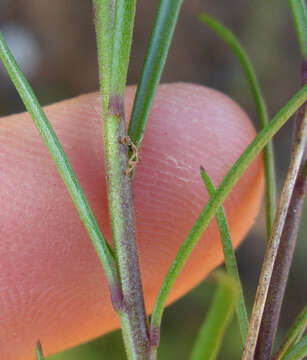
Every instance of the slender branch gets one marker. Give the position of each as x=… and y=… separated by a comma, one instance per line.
x=113, y=55
x=216, y=201
x=272, y=248
x=261, y=108
x=294, y=334
x=287, y=244
x=230, y=258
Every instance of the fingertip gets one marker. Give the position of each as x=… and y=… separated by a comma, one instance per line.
x=54, y=286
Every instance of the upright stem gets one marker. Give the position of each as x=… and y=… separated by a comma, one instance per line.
x=286, y=248
x=114, y=26
x=273, y=245
x=132, y=309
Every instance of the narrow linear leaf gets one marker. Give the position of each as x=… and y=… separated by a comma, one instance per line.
x=218, y=198
x=62, y=163
x=39, y=351
x=210, y=336
x=294, y=334
x=161, y=36
x=299, y=13
x=261, y=109
x=298, y=351
x=230, y=258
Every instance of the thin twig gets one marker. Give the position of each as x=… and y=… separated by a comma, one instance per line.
x=272, y=248
x=286, y=248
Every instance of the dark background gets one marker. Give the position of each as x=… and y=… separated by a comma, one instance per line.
x=54, y=42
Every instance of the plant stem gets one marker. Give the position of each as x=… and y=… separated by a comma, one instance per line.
x=287, y=244
x=273, y=245
x=132, y=311
x=113, y=55
x=294, y=334
x=216, y=201
x=104, y=21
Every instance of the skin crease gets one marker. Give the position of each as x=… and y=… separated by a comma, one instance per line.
x=52, y=286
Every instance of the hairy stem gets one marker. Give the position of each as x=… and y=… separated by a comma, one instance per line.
x=132, y=311
x=114, y=27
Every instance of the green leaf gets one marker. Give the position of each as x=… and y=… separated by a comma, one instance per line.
x=299, y=13
x=39, y=352
x=218, y=198
x=230, y=258
x=60, y=159
x=298, y=351
x=261, y=109
x=161, y=36
x=210, y=336
x=294, y=334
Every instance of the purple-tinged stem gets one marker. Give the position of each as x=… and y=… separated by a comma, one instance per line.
x=114, y=28
x=129, y=302
x=286, y=248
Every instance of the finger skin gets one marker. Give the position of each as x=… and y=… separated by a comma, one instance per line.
x=52, y=286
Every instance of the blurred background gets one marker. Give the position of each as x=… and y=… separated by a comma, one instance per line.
x=54, y=43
